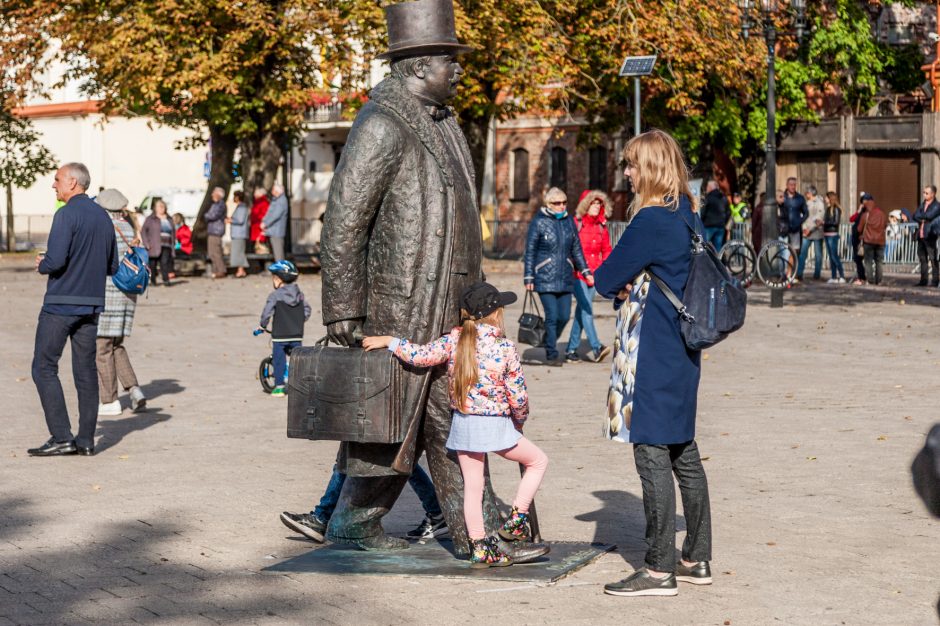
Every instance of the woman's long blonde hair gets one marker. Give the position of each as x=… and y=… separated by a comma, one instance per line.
x=466, y=369
x=661, y=176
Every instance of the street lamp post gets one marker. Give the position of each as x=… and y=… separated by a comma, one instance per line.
x=768, y=11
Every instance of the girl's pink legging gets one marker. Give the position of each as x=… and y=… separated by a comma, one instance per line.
x=471, y=466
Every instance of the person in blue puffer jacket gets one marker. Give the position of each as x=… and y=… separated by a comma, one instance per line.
x=552, y=250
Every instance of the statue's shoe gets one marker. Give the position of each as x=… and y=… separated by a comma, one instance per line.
x=378, y=543
x=523, y=551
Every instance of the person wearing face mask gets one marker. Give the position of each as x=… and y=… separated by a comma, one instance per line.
x=552, y=251
x=591, y=219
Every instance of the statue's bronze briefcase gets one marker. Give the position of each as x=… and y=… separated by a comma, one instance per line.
x=344, y=394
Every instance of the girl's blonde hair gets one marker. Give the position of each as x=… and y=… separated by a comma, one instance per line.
x=466, y=372
x=661, y=176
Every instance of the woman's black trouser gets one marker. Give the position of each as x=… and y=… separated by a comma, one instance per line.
x=656, y=465
x=165, y=261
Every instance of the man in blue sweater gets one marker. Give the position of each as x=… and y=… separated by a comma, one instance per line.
x=80, y=256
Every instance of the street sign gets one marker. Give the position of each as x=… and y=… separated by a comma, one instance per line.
x=638, y=66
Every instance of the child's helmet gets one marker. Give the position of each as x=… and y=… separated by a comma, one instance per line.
x=285, y=270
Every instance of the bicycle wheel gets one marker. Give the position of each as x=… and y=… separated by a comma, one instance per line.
x=266, y=374
x=776, y=265
x=739, y=257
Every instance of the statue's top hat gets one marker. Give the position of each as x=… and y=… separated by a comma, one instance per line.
x=421, y=27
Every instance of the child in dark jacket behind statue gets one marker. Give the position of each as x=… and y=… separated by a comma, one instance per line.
x=289, y=310
x=489, y=403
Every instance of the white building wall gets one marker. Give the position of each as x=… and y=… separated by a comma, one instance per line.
x=124, y=153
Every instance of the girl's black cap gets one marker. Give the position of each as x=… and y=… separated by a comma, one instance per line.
x=481, y=299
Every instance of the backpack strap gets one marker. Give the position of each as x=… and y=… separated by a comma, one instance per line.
x=118, y=230
x=673, y=299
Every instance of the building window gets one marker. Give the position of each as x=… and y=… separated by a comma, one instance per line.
x=519, y=170
x=597, y=168
x=558, y=172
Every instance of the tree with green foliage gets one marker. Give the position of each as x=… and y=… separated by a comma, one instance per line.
x=243, y=71
x=22, y=160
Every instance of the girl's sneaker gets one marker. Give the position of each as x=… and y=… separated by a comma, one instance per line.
x=278, y=392
x=486, y=553
x=516, y=527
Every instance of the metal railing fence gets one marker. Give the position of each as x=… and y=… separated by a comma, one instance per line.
x=507, y=240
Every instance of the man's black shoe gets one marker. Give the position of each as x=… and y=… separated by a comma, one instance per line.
x=51, y=448
x=556, y=362
x=85, y=451
x=922, y=283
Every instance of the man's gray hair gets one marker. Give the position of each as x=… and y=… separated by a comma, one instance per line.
x=79, y=172
x=221, y=190
x=811, y=189
x=403, y=68
x=277, y=188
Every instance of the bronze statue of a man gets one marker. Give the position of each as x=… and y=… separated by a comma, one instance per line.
x=401, y=240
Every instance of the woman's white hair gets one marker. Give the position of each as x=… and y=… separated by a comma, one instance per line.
x=555, y=195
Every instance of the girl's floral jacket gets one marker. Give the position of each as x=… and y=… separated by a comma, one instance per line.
x=500, y=388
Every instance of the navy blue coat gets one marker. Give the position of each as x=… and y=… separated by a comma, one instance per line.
x=552, y=251
x=667, y=374
x=80, y=255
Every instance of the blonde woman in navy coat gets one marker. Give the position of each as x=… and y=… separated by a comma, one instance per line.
x=654, y=384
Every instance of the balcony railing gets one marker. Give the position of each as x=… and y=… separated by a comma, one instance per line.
x=325, y=113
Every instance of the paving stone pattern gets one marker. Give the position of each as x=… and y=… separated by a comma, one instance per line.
x=808, y=421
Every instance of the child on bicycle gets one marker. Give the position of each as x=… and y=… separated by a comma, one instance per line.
x=287, y=305
x=489, y=403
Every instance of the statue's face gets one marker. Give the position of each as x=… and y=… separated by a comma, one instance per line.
x=441, y=77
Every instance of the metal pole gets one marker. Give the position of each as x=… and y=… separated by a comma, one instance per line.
x=636, y=106
x=770, y=205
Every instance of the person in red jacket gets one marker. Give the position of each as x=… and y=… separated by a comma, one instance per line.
x=258, y=210
x=184, y=236
x=594, y=208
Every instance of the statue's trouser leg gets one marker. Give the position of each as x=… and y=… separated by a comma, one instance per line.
x=364, y=501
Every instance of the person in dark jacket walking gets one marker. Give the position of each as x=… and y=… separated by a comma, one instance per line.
x=856, y=238
x=215, y=229
x=928, y=211
x=797, y=211
x=716, y=215
x=81, y=255
x=552, y=250
x=654, y=385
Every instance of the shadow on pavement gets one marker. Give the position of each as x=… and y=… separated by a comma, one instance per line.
x=621, y=521
x=141, y=570
x=112, y=432
x=162, y=387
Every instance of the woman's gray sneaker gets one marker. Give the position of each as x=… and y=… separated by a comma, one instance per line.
x=698, y=574
x=138, y=401
x=305, y=524
x=640, y=583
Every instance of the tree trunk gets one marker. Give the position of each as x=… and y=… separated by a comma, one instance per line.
x=222, y=150
x=475, y=129
x=11, y=235
x=260, y=158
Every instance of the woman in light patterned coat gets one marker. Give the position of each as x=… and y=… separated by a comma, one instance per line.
x=654, y=384
x=115, y=322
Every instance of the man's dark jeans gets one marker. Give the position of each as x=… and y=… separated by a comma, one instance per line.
x=656, y=465
x=51, y=334
x=419, y=481
x=927, y=255
x=873, y=259
x=557, y=306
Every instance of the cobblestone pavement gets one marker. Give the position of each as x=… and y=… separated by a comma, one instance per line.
x=809, y=418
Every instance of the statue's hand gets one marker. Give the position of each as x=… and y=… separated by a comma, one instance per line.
x=345, y=332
